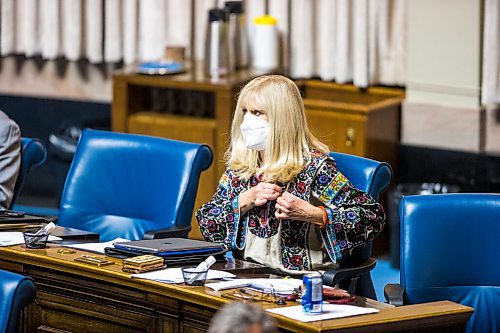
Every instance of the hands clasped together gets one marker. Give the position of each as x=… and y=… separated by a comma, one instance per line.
x=288, y=206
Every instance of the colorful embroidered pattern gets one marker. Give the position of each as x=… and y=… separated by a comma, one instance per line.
x=225, y=181
x=262, y=222
x=232, y=237
x=331, y=191
x=354, y=218
x=294, y=254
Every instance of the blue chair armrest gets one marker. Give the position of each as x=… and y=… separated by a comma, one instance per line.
x=16, y=292
x=394, y=294
x=172, y=232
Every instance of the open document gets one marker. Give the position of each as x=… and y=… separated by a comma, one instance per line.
x=278, y=286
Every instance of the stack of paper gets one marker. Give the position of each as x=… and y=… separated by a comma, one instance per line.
x=278, y=286
x=96, y=247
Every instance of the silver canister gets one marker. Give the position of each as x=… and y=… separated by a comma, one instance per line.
x=238, y=37
x=217, y=44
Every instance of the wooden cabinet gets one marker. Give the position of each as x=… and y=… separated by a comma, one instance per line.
x=354, y=121
x=188, y=107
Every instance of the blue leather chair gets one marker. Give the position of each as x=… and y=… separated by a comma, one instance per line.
x=33, y=152
x=132, y=186
x=372, y=177
x=16, y=292
x=450, y=251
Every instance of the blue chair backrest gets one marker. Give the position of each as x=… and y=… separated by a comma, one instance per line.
x=16, y=291
x=370, y=176
x=33, y=152
x=122, y=185
x=450, y=251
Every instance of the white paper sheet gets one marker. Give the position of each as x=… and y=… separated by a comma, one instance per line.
x=237, y=283
x=330, y=311
x=16, y=238
x=280, y=286
x=96, y=247
x=174, y=275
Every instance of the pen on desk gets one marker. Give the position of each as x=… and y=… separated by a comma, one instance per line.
x=243, y=291
x=92, y=258
x=238, y=295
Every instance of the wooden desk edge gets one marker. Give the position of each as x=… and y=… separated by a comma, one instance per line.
x=428, y=313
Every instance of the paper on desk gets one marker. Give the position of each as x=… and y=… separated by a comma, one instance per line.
x=236, y=283
x=16, y=238
x=174, y=275
x=96, y=247
x=279, y=286
x=330, y=311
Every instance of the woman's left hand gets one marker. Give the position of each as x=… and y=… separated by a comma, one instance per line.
x=290, y=207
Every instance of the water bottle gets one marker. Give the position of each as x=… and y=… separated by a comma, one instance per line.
x=238, y=39
x=265, y=44
x=217, y=44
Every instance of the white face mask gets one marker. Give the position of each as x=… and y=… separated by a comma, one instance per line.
x=255, y=131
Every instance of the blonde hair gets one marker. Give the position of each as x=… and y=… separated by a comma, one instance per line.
x=289, y=141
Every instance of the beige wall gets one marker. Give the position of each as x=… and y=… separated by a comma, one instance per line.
x=442, y=109
x=444, y=52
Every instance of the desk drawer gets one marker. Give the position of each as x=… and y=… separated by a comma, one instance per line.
x=11, y=266
x=66, y=303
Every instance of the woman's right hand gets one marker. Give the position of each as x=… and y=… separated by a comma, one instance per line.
x=258, y=195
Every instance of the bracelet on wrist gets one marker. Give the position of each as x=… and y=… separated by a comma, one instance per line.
x=325, y=217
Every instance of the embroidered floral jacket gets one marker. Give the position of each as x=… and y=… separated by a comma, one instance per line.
x=354, y=217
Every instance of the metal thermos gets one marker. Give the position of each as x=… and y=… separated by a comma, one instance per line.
x=217, y=44
x=238, y=38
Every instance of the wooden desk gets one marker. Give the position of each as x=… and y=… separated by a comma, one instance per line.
x=74, y=297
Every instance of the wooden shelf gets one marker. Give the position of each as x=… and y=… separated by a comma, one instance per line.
x=363, y=122
x=184, y=128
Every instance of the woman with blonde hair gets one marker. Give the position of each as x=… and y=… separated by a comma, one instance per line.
x=281, y=201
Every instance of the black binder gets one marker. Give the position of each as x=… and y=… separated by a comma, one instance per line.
x=170, y=260
x=171, y=247
x=15, y=217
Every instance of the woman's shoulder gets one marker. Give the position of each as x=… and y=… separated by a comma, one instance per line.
x=232, y=178
x=319, y=157
x=318, y=161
